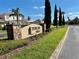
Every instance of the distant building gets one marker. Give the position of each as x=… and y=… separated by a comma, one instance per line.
x=5, y=17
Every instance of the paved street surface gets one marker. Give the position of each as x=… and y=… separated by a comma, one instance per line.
x=70, y=49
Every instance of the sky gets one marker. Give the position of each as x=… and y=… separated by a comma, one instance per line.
x=35, y=8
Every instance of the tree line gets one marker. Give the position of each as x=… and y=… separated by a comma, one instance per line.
x=59, y=20
x=74, y=21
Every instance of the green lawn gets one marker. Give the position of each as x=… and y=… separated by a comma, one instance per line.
x=9, y=45
x=4, y=33
x=43, y=48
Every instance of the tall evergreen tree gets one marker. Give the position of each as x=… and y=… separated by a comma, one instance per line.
x=63, y=22
x=55, y=16
x=47, y=19
x=60, y=17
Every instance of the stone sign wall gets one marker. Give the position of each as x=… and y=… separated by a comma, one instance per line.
x=15, y=32
x=31, y=30
x=10, y=31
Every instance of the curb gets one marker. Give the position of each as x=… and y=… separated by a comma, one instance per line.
x=57, y=51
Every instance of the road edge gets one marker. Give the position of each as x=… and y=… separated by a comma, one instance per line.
x=57, y=51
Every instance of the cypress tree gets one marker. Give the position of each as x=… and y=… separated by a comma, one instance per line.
x=63, y=22
x=47, y=19
x=55, y=16
x=60, y=17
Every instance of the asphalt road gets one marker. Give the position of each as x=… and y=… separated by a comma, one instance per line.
x=70, y=49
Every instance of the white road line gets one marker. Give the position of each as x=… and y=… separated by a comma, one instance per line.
x=57, y=51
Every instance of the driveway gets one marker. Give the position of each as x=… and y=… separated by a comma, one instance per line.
x=70, y=48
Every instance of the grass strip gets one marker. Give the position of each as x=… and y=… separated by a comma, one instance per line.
x=43, y=48
x=9, y=45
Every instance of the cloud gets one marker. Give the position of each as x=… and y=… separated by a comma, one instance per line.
x=73, y=13
x=73, y=16
x=36, y=7
x=70, y=13
x=39, y=15
x=42, y=7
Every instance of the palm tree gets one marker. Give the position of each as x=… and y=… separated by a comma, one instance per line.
x=17, y=14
